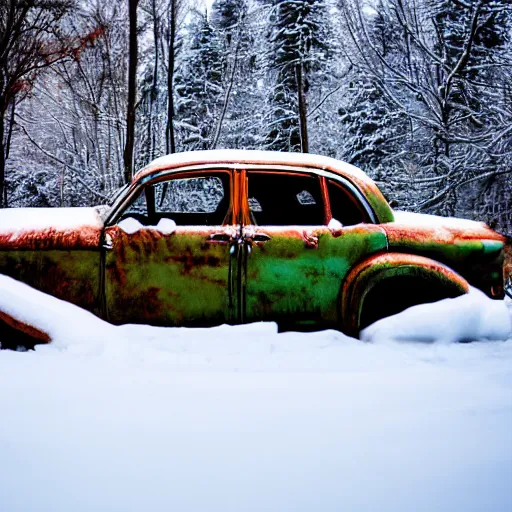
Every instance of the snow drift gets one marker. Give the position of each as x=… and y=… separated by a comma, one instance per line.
x=469, y=317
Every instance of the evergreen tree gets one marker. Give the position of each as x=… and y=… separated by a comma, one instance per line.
x=298, y=49
x=198, y=85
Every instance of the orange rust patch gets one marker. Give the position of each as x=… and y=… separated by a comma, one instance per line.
x=86, y=237
x=507, y=266
x=397, y=232
x=25, y=328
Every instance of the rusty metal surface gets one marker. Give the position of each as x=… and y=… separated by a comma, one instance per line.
x=476, y=253
x=51, y=239
x=176, y=279
x=36, y=334
x=71, y=275
x=288, y=279
x=364, y=276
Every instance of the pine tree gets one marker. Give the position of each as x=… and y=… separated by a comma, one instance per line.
x=198, y=85
x=240, y=112
x=298, y=48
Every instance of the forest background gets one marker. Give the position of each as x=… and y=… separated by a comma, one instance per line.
x=418, y=93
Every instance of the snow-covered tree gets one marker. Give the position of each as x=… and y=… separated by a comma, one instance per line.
x=198, y=85
x=298, y=47
x=439, y=77
x=30, y=40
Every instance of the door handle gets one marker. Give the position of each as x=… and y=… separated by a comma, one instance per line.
x=108, y=243
x=261, y=237
x=220, y=238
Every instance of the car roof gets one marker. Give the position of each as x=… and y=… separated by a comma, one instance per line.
x=233, y=158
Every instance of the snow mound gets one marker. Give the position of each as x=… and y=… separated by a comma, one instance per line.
x=415, y=219
x=469, y=317
x=131, y=226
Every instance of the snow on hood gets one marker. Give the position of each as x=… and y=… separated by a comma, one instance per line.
x=432, y=221
x=22, y=220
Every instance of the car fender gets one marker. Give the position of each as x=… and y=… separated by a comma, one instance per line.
x=364, y=276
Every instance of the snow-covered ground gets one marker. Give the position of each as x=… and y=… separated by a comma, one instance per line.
x=245, y=419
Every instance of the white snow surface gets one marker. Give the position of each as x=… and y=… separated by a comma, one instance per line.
x=248, y=156
x=131, y=225
x=19, y=220
x=242, y=418
x=470, y=317
x=430, y=221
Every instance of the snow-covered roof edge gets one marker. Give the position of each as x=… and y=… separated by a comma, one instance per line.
x=255, y=157
x=251, y=156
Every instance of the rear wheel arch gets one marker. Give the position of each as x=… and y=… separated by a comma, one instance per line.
x=388, y=283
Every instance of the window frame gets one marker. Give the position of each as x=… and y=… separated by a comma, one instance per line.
x=298, y=172
x=145, y=186
x=323, y=177
x=239, y=211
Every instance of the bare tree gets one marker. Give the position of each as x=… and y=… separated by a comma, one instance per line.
x=439, y=70
x=132, y=92
x=29, y=42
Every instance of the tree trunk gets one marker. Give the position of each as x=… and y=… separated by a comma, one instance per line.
x=304, y=145
x=169, y=132
x=3, y=189
x=132, y=76
x=154, y=84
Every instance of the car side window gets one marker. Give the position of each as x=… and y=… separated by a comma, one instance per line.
x=279, y=199
x=345, y=207
x=188, y=201
x=193, y=201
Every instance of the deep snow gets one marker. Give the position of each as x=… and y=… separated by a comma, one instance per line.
x=243, y=418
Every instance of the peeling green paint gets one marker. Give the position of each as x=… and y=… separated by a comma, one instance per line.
x=69, y=275
x=176, y=279
x=287, y=282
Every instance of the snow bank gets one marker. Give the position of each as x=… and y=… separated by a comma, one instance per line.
x=469, y=317
x=242, y=418
x=62, y=321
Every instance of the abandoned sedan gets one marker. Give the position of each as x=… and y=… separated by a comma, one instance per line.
x=212, y=237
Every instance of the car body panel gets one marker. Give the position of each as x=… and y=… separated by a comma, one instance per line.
x=471, y=248
x=295, y=276
x=71, y=275
x=290, y=274
x=181, y=278
x=364, y=276
x=54, y=250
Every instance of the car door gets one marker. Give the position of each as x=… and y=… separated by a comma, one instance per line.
x=297, y=252
x=167, y=254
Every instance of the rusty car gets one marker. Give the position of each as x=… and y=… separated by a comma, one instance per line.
x=232, y=236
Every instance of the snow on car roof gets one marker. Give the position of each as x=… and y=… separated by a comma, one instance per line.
x=241, y=157
x=246, y=156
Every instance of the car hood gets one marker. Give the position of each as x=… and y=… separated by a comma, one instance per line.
x=431, y=229
x=433, y=221
x=50, y=228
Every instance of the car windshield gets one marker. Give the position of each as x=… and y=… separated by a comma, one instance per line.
x=116, y=194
